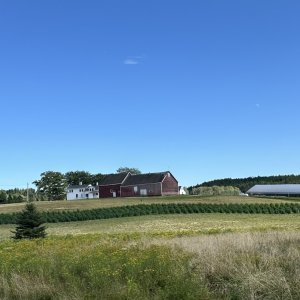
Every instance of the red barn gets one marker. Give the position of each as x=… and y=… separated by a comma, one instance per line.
x=151, y=184
x=110, y=185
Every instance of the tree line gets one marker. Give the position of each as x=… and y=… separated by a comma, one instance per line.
x=17, y=195
x=244, y=184
x=52, y=185
x=215, y=191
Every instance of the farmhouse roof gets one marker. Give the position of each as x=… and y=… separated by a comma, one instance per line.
x=79, y=186
x=145, y=178
x=113, y=179
x=275, y=189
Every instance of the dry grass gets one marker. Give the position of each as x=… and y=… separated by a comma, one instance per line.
x=113, y=202
x=246, y=265
x=26, y=287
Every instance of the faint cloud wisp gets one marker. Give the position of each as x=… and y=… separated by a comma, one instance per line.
x=132, y=60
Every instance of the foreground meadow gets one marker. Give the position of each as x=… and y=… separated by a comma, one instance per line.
x=174, y=256
x=222, y=266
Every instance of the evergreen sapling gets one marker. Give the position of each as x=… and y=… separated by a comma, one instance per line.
x=29, y=224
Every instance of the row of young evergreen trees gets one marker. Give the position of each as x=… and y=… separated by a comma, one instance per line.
x=30, y=222
x=156, y=209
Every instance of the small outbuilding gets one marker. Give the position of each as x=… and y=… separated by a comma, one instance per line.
x=275, y=190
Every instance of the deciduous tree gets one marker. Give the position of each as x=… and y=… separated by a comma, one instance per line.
x=52, y=185
x=77, y=177
x=3, y=197
x=131, y=170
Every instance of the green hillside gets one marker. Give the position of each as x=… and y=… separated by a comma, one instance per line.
x=244, y=184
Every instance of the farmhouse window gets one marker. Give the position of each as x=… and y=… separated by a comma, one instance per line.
x=135, y=189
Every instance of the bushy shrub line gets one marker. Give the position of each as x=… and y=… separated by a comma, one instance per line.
x=158, y=209
x=215, y=191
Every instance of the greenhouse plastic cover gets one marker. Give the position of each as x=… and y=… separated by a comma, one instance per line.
x=275, y=189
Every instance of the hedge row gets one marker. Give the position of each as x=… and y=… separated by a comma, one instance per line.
x=157, y=209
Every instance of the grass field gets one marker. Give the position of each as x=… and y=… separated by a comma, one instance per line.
x=111, y=202
x=186, y=256
x=262, y=265
x=173, y=225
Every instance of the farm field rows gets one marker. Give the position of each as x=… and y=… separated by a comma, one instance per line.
x=173, y=225
x=111, y=202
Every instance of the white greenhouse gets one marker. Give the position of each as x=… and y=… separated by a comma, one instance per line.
x=275, y=189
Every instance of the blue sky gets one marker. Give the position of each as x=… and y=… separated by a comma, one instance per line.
x=206, y=89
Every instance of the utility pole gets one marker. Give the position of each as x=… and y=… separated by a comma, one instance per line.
x=27, y=196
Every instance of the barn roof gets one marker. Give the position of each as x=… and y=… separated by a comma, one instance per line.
x=144, y=178
x=283, y=189
x=113, y=179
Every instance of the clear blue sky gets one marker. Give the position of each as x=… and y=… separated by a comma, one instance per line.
x=206, y=89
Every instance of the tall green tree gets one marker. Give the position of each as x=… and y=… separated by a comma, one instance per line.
x=75, y=177
x=3, y=196
x=52, y=185
x=131, y=170
x=30, y=224
x=96, y=178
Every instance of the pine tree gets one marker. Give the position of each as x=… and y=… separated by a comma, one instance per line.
x=30, y=224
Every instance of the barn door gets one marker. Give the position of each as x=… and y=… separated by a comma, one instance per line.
x=143, y=192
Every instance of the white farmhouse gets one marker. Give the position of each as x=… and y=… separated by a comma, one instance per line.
x=82, y=191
